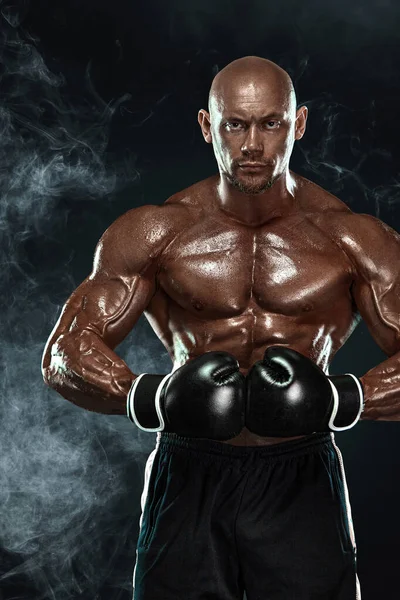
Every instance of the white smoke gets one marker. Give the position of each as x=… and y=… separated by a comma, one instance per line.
x=70, y=480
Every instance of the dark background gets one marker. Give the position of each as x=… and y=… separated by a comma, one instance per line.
x=98, y=109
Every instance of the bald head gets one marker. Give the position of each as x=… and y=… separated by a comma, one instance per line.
x=252, y=76
x=252, y=123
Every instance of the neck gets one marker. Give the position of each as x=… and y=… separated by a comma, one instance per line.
x=256, y=209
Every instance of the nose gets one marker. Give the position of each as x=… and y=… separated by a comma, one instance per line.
x=253, y=143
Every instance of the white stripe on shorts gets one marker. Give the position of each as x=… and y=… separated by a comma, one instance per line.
x=348, y=509
x=147, y=474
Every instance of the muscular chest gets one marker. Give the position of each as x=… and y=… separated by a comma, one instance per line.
x=218, y=271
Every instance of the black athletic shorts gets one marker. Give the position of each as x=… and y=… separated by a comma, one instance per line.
x=220, y=520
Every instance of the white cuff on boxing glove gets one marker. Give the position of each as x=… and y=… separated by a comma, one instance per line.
x=348, y=401
x=143, y=404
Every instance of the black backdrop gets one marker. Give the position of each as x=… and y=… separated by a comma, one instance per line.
x=98, y=108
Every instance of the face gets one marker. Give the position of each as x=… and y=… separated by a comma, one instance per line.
x=253, y=129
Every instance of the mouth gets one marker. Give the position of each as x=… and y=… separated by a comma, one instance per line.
x=252, y=166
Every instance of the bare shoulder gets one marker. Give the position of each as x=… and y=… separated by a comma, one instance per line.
x=132, y=243
x=136, y=238
x=359, y=234
x=366, y=240
x=158, y=223
x=333, y=215
x=151, y=223
x=372, y=245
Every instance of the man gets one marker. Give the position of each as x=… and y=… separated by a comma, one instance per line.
x=253, y=279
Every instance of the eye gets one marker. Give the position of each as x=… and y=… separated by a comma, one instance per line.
x=271, y=124
x=233, y=125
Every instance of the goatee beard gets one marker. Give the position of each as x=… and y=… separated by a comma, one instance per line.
x=258, y=188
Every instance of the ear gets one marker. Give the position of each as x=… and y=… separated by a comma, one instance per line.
x=205, y=124
x=301, y=120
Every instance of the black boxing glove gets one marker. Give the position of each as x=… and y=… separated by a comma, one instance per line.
x=289, y=395
x=203, y=398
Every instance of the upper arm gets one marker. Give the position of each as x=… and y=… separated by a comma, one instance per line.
x=374, y=249
x=122, y=282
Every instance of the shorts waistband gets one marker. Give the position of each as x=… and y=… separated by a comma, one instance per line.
x=171, y=441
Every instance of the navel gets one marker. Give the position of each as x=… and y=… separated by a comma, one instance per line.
x=198, y=305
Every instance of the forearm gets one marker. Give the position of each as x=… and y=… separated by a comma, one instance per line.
x=381, y=387
x=85, y=371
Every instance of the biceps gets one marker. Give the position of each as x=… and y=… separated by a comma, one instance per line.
x=379, y=306
x=108, y=307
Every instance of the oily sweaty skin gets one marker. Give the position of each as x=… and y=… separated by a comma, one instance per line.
x=253, y=257
x=206, y=281
x=225, y=286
